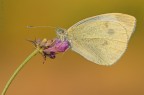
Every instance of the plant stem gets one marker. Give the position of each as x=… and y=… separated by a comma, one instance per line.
x=18, y=69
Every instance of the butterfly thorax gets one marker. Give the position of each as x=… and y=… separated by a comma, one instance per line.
x=61, y=34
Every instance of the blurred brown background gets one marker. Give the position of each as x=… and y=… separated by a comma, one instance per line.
x=69, y=73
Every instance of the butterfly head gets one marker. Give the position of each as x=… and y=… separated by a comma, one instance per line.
x=61, y=34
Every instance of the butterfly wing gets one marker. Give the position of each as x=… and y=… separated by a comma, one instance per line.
x=102, y=39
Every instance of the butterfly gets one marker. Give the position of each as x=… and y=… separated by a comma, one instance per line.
x=101, y=39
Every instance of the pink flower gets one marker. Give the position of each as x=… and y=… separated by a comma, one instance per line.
x=56, y=47
x=51, y=47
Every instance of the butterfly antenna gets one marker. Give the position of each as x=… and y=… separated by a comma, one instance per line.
x=29, y=26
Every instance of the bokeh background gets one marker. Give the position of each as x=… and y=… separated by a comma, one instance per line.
x=69, y=73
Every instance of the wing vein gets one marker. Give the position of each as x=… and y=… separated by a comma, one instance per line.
x=105, y=38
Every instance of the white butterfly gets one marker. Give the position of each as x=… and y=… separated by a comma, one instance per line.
x=101, y=39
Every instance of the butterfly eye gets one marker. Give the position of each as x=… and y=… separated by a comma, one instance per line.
x=60, y=31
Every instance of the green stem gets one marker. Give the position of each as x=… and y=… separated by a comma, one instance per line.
x=18, y=69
